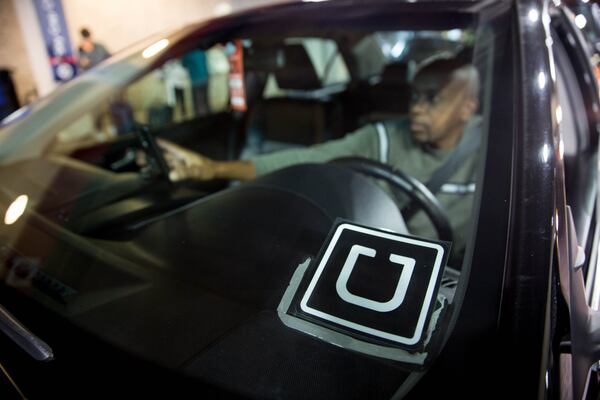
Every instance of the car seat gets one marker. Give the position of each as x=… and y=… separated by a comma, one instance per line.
x=295, y=117
x=390, y=96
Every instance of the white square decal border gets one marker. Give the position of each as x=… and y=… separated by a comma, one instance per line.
x=418, y=331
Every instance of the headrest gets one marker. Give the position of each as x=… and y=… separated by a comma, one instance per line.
x=297, y=72
x=395, y=74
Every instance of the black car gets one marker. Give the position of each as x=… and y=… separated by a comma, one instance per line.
x=118, y=281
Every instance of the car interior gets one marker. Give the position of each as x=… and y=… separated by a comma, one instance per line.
x=299, y=91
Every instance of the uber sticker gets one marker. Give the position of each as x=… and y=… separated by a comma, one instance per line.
x=378, y=285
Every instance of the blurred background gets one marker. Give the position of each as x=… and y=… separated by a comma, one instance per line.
x=40, y=39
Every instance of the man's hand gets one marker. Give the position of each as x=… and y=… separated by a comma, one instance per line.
x=84, y=62
x=186, y=164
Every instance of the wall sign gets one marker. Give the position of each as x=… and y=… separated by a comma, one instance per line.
x=56, y=38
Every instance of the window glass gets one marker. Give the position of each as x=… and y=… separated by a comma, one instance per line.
x=183, y=89
x=325, y=60
x=376, y=51
x=580, y=156
x=189, y=216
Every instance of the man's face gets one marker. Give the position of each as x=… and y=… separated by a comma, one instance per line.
x=87, y=45
x=440, y=107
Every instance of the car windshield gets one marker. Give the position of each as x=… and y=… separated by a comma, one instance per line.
x=364, y=136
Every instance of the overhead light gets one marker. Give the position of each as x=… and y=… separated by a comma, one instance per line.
x=155, y=48
x=223, y=9
x=16, y=209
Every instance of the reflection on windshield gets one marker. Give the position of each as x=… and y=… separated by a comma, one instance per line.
x=15, y=116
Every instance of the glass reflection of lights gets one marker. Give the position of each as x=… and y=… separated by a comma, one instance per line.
x=545, y=153
x=15, y=116
x=398, y=49
x=561, y=148
x=155, y=48
x=16, y=209
x=595, y=301
x=454, y=34
x=580, y=21
x=546, y=18
x=386, y=49
x=542, y=80
x=559, y=114
x=534, y=15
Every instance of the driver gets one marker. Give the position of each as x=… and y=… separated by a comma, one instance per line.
x=442, y=115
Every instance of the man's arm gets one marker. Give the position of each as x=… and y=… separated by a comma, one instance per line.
x=242, y=170
x=186, y=164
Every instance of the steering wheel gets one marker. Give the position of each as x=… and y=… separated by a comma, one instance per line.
x=418, y=193
x=157, y=165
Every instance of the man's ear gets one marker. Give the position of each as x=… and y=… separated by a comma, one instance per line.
x=469, y=107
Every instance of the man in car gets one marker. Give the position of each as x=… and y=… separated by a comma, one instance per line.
x=441, y=120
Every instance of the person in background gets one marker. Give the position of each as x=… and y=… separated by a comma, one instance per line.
x=195, y=63
x=91, y=53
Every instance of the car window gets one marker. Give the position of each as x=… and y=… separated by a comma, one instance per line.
x=374, y=52
x=185, y=88
x=325, y=59
x=577, y=145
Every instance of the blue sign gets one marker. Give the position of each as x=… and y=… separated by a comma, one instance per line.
x=56, y=36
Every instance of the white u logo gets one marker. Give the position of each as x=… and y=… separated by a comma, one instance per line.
x=408, y=265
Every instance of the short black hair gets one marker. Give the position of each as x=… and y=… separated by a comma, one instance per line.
x=85, y=33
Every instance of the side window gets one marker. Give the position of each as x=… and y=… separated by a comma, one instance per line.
x=580, y=160
x=194, y=85
x=580, y=157
x=316, y=63
x=327, y=60
x=189, y=87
